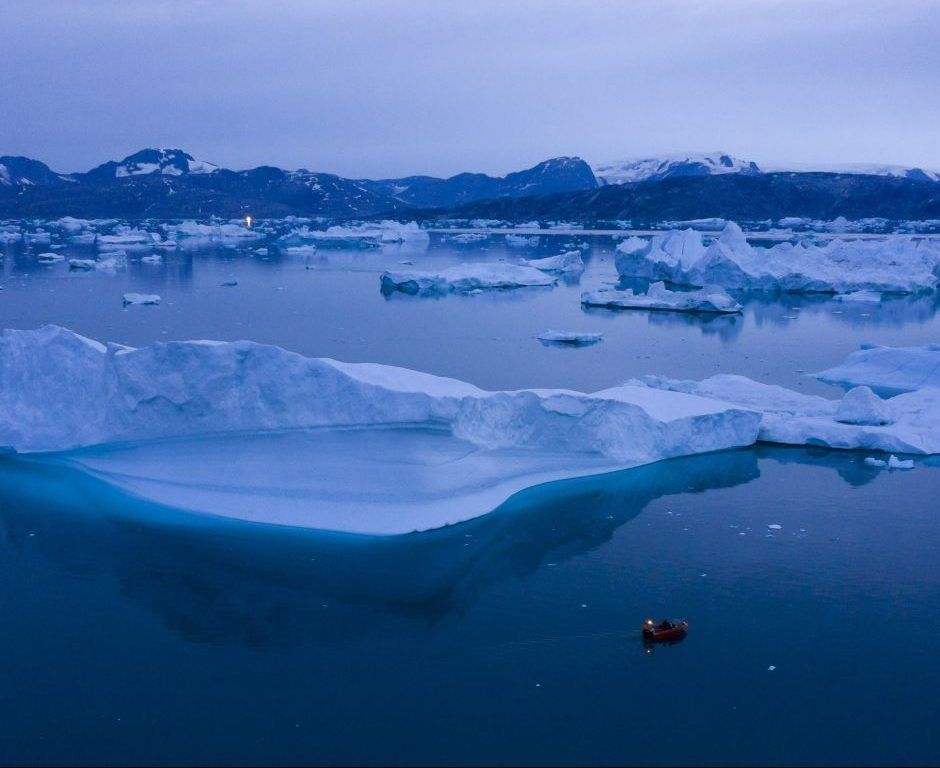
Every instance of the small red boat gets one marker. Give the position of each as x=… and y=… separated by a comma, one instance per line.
x=664, y=630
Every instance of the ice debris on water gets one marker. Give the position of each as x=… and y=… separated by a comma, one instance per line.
x=141, y=298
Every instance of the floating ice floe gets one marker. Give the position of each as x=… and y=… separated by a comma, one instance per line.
x=105, y=265
x=368, y=235
x=231, y=232
x=570, y=338
x=888, y=370
x=49, y=258
x=141, y=298
x=465, y=278
x=908, y=423
x=897, y=264
x=126, y=237
x=863, y=297
x=893, y=462
x=467, y=449
x=155, y=258
x=568, y=262
x=521, y=241
x=464, y=238
x=710, y=299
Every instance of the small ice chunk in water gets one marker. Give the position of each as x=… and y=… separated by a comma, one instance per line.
x=155, y=258
x=570, y=338
x=771, y=668
x=895, y=463
x=141, y=298
x=774, y=527
x=49, y=258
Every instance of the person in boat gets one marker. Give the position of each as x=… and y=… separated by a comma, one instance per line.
x=664, y=624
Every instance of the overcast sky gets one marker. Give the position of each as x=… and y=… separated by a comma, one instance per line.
x=430, y=86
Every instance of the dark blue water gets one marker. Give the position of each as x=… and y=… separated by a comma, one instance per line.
x=133, y=633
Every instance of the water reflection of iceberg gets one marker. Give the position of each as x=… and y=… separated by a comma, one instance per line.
x=222, y=581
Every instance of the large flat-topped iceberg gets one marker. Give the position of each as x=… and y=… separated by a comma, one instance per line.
x=710, y=300
x=465, y=278
x=60, y=392
x=888, y=370
x=890, y=265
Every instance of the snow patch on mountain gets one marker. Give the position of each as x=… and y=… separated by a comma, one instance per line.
x=672, y=165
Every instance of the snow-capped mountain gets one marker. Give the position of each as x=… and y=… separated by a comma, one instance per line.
x=670, y=166
x=24, y=172
x=866, y=169
x=166, y=162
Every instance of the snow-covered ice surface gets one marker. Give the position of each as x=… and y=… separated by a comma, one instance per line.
x=888, y=370
x=908, y=423
x=61, y=391
x=897, y=264
x=710, y=299
x=465, y=278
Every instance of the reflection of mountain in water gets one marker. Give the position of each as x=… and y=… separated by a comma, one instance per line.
x=222, y=581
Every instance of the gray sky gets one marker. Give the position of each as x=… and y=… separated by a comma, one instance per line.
x=394, y=88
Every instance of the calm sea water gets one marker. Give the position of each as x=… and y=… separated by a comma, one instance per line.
x=137, y=633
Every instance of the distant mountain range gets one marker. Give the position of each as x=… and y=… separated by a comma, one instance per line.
x=738, y=196
x=171, y=183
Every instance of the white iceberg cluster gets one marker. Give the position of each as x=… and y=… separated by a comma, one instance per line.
x=465, y=278
x=890, y=265
x=711, y=299
x=368, y=235
x=908, y=423
x=192, y=232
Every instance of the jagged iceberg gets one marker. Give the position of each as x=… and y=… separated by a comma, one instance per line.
x=563, y=263
x=897, y=264
x=465, y=278
x=710, y=299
